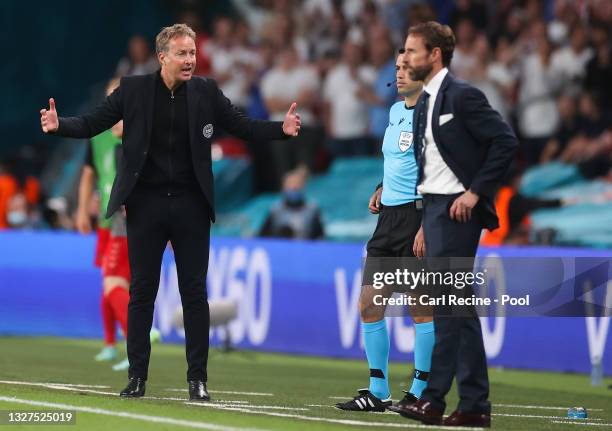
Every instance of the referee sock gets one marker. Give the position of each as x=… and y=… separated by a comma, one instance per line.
x=423, y=348
x=376, y=341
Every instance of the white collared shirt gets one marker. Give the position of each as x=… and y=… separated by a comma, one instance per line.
x=437, y=176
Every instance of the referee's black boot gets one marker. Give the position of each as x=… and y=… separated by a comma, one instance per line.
x=198, y=391
x=134, y=389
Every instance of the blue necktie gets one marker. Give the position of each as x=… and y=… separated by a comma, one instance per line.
x=422, y=124
x=422, y=121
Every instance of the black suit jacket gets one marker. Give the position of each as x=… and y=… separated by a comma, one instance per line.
x=133, y=102
x=476, y=144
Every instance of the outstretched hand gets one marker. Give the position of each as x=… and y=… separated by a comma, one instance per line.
x=48, y=118
x=292, y=123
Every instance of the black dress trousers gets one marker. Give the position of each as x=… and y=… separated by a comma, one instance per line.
x=154, y=217
x=459, y=349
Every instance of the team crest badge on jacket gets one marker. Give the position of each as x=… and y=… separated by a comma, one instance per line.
x=207, y=131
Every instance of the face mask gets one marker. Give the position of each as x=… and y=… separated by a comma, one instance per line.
x=16, y=218
x=294, y=197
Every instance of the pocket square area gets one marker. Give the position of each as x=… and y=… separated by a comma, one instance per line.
x=445, y=118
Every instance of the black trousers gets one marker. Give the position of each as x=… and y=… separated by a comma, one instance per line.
x=154, y=217
x=459, y=349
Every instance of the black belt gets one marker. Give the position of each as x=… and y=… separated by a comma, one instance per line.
x=416, y=204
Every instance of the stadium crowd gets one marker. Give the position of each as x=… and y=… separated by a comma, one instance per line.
x=545, y=65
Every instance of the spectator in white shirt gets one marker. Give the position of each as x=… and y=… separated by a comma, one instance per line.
x=464, y=57
x=538, y=117
x=502, y=70
x=346, y=114
x=231, y=62
x=288, y=81
x=569, y=63
x=481, y=79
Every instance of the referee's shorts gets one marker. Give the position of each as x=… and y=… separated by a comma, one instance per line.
x=393, y=237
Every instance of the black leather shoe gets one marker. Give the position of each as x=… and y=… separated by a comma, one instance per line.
x=423, y=411
x=198, y=391
x=467, y=419
x=408, y=400
x=134, y=389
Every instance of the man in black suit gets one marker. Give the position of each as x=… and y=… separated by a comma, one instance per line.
x=165, y=180
x=463, y=148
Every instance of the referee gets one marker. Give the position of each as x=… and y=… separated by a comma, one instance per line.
x=398, y=234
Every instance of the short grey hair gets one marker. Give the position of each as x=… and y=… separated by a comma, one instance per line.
x=168, y=33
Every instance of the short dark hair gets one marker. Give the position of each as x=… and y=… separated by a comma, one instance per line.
x=436, y=35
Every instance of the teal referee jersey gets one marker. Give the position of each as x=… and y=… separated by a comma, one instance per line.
x=400, y=167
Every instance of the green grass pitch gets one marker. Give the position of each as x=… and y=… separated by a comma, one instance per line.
x=259, y=391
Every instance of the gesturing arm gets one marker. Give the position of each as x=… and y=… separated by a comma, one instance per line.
x=103, y=117
x=235, y=122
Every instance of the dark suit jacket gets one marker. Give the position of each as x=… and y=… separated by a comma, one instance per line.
x=476, y=144
x=133, y=102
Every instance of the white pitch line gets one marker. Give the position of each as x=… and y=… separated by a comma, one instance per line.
x=514, y=406
x=257, y=394
x=534, y=416
x=518, y=406
x=249, y=406
x=581, y=423
x=493, y=414
x=81, y=386
x=245, y=407
x=42, y=384
x=58, y=386
x=63, y=387
x=145, y=418
x=347, y=421
x=320, y=405
x=46, y=384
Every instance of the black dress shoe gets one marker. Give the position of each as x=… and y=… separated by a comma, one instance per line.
x=467, y=419
x=423, y=411
x=134, y=389
x=198, y=391
x=402, y=404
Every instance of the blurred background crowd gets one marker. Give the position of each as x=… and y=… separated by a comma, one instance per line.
x=545, y=65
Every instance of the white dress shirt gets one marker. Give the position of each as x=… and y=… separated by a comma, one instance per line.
x=437, y=176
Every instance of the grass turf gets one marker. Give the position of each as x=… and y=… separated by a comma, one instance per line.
x=301, y=388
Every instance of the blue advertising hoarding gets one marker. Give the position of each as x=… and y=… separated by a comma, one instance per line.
x=293, y=297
